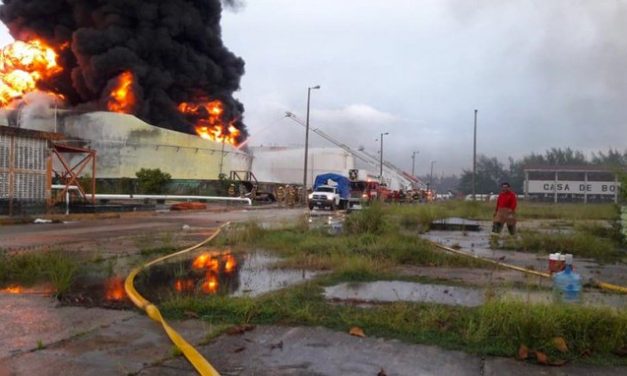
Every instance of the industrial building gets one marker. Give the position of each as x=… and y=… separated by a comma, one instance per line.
x=285, y=164
x=125, y=144
x=25, y=170
x=572, y=183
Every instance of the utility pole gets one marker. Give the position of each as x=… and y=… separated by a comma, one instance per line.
x=474, y=160
x=307, y=143
x=221, y=159
x=413, y=163
x=381, y=158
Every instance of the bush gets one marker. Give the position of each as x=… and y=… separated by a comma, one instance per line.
x=152, y=181
x=367, y=221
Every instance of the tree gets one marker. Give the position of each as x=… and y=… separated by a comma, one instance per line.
x=490, y=173
x=613, y=158
x=152, y=181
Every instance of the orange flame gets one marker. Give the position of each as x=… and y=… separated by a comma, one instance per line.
x=210, y=284
x=206, y=261
x=229, y=263
x=114, y=289
x=184, y=285
x=211, y=126
x=22, y=66
x=211, y=262
x=122, y=98
x=14, y=289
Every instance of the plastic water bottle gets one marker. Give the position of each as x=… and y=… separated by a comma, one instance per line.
x=567, y=284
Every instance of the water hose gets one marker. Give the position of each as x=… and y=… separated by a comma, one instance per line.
x=599, y=284
x=201, y=364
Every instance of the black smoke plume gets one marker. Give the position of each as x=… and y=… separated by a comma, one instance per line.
x=173, y=48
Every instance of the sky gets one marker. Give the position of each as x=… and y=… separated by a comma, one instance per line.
x=541, y=74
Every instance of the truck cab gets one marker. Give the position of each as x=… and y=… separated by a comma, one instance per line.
x=324, y=196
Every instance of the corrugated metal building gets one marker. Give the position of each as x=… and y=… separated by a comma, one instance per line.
x=25, y=170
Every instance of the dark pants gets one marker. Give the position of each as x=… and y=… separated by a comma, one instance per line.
x=497, y=227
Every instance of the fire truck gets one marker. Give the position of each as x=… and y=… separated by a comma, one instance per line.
x=366, y=188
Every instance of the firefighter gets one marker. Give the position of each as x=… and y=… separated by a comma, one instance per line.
x=291, y=196
x=231, y=190
x=280, y=195
x=505, y=211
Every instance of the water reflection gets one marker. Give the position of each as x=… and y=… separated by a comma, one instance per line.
x=209, y=273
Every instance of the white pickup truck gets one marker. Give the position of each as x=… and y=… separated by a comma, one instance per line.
x=325, y=196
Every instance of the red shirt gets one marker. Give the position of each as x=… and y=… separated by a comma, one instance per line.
x=506, y=200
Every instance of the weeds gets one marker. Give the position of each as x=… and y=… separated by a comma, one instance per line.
x=55, y=267
x=367, y=221
x=582, y=242
x=411, y=215
x=497, y=328
x=502, y=327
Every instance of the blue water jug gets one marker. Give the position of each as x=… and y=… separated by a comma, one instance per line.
x=567, y=284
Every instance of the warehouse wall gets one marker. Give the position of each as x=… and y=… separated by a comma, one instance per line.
x=24, y=172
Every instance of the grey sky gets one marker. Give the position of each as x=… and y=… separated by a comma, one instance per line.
x=543, y=73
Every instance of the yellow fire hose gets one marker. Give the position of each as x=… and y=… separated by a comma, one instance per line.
x=599, y=284
x=195, y=358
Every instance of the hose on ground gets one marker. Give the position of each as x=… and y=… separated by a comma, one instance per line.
x=201, y=364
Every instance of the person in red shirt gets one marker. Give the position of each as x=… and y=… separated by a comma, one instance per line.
x=505, y=211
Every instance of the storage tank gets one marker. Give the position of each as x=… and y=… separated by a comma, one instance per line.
x=285, y=164
x=125, y=144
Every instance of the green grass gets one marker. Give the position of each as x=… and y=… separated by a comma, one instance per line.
x=423, y=214
x=374, y=244
x=534, y=210
x=497, y=328
x=583, y=242
x=56, y=267
x=371, y=251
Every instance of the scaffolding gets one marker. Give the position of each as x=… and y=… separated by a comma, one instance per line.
x=67, y=173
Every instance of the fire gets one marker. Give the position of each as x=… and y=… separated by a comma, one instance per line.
x=211, y=262
x=22, y=66
x=229, y=263
x=210, y=284
x=114, y=289
x=14, y=289
x=122, y=98
x=206, y=261
x=210, y=125
x=184, y=285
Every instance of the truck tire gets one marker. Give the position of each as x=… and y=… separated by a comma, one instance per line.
x=332, y=206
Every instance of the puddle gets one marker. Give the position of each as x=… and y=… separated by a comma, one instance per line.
x=455, y=224
x=394, y=291
x=332, y=222
x=209, y=272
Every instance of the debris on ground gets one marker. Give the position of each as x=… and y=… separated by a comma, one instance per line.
x=357, y=332
x=192, y=205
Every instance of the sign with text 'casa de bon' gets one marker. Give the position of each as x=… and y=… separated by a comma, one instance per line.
x=574, y=187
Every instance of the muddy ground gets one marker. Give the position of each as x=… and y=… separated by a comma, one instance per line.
x=40, y=336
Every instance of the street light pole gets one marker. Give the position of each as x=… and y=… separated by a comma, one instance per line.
x=474, y=160
x=431, y=175
x=309, y=89
x=413, y=163
x=381, y=157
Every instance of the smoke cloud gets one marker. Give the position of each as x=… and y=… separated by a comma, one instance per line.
x=173, y=48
